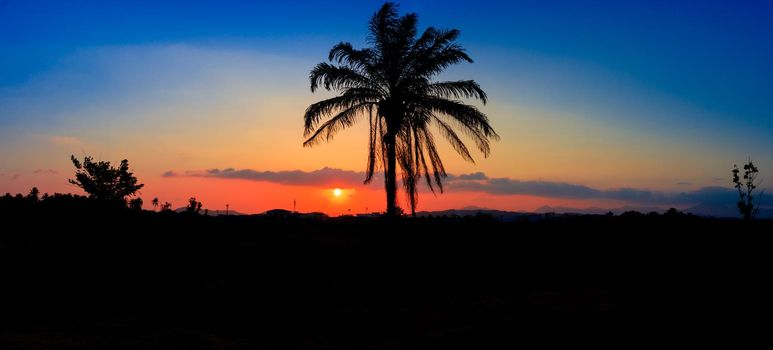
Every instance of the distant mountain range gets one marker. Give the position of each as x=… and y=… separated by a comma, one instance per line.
x=504, y=215
x=501, y=215
x=598, y=211
x=729, y=211
x=212, y=212
x=701, y=210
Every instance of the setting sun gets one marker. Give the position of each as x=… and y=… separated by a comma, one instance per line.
x=337, y=192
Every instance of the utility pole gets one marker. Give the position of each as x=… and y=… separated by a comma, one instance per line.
x=226, y=210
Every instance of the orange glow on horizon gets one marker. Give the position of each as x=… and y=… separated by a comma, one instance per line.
x=253, y=197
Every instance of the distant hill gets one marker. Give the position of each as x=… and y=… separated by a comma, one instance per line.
x=725, y=211
x=212, y=212
x=599, y=211
x=217, y=212
x=501, y=215
x=707, y=210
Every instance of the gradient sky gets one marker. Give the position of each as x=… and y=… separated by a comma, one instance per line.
x=598, y=103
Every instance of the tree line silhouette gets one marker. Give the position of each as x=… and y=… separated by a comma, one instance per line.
x=110, y=186
x=116, y=188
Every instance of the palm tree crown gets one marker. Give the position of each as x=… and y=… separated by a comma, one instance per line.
x=390, y=84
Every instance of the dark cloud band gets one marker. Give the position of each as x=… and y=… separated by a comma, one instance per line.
x=476, y=182
x=324, y=176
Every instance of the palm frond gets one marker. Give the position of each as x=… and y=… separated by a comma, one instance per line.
x=438, y=170
x=342, y=120
x=457, y=89
x=444, y=58
x=373, y=139
x=338, y=78
x=468, y=116
x=361, y=60
x=380, y=26
x=319, y=110
x=454, y=140
x=421, y=161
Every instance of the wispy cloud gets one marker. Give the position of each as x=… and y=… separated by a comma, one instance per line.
x=324, y=176
x=507, y=186
x=66, y=140
x=45, y=172
x=477, y=182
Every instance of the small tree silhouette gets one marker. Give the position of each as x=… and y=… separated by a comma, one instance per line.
x=155, y=203
x=746, y=187
x=166, y=206
x=34, y=194
x=194, y=206
x=135, y=204
x=104, y=182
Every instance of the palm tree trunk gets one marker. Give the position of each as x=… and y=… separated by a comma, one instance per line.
x=391, y=175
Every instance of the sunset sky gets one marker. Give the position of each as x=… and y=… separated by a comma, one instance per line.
x=598, y=103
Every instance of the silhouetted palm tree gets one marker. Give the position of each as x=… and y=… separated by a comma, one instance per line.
x=391, y=85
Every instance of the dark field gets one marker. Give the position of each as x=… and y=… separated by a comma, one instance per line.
x=99, y=279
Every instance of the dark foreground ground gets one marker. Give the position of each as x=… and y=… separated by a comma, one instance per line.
x=90, y=280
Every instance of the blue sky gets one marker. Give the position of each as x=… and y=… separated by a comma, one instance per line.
x=711, y=54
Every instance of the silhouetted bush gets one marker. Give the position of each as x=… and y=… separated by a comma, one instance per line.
x=104, y=182
x=135, y=204
x=194, y=206
x=632, y=214
x=746, y=205
x=34, y=194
